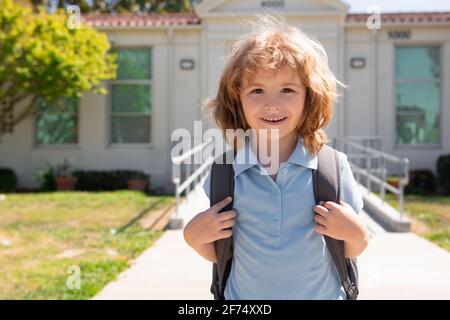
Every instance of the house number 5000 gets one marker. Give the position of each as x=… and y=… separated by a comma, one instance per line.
x=395, y=35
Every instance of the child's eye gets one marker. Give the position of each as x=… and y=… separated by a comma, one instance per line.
x=289, y=89
x=254, y=91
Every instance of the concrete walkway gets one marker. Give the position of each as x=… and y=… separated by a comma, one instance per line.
x=394, y=266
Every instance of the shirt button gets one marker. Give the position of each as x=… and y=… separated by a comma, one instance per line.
x=275, y=217
x=284, y=170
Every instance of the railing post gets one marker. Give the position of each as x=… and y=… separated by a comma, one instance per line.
x=383, y=176
x=176, y=222
x=188, y=174
x=401, y=198
x=403, y=183
x=177, y=201
x=367, y=173
x=369, y=182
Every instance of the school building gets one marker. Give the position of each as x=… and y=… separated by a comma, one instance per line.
x=397, y=76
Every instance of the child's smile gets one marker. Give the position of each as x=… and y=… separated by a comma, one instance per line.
x=274, y=120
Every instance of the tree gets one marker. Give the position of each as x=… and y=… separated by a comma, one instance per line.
x=40, y=56
x=120, y=6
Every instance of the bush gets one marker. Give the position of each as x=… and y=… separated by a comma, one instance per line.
x=443, y=170
x=93, y=180
x=421, y=181
x=46, y=177
x=8, y=180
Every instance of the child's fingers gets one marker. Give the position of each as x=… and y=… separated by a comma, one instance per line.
x=226, y=215
x=320, y=229
x=227, y=223
x=321, y=220
x=221, y=204
x=331, y=205
x=225, y=234
x=321, y=210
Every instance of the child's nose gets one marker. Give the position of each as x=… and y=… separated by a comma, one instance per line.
x=272, y=107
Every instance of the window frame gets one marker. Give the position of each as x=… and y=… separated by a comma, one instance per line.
x=71, y=145
x=110, y=112
x=439, y=46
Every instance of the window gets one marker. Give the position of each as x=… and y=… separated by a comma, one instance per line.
x=131, y=97
x=57, y=121
x=417, y=95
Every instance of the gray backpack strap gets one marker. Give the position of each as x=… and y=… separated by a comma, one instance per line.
x=221, y=186
x=326, y=186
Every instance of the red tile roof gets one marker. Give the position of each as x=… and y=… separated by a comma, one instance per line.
x=183, y=19
x=415, y=17
x=143, y=20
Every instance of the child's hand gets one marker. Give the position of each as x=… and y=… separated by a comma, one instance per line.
x=338, y=221
x=209, y=226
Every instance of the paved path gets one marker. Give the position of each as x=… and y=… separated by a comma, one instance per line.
x=394, y=266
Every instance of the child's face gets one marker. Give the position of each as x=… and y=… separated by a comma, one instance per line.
x=273, y=95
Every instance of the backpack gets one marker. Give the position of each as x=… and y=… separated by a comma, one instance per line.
x=326, y=186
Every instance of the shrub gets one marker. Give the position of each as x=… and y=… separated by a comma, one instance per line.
x=443, y=170
x=421, y=181
x=46, y=177
x=8, y=180
x=94, y=180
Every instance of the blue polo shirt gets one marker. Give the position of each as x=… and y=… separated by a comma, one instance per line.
x=277, y=253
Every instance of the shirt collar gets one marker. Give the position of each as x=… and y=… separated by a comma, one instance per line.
x=302, y=157
x=245, y=158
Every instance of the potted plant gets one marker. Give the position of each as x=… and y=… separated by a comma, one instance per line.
x=46, y=177
x=393, y=181
x=63, y=176
x=137, y=181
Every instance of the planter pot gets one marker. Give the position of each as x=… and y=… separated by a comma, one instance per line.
x=65, y=183
x=393, y=182
x=137, y=184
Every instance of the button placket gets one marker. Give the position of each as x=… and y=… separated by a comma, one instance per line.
x=276, y=216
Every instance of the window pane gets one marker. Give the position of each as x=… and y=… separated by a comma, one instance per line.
x=417, y=62
x=418, y=113
x=57, y=122
x=130, y=129
x=131, y=98
x=133, y=63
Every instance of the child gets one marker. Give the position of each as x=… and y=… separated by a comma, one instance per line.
x=278, y=78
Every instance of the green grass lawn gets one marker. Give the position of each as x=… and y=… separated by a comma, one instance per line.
x=430, y=216
x=42, y=235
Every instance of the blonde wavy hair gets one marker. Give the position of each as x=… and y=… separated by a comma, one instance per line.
x=273, y=43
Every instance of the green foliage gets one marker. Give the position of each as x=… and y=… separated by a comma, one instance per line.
x=46, y=178
x=63, y=169
x=92, y=180
x=421, y=181
x=40, y=56
x=8, y=180
x=135, y=6
x=443, y=169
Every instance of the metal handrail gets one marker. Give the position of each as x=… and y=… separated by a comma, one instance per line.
x=191, y=178
x=375, y=174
